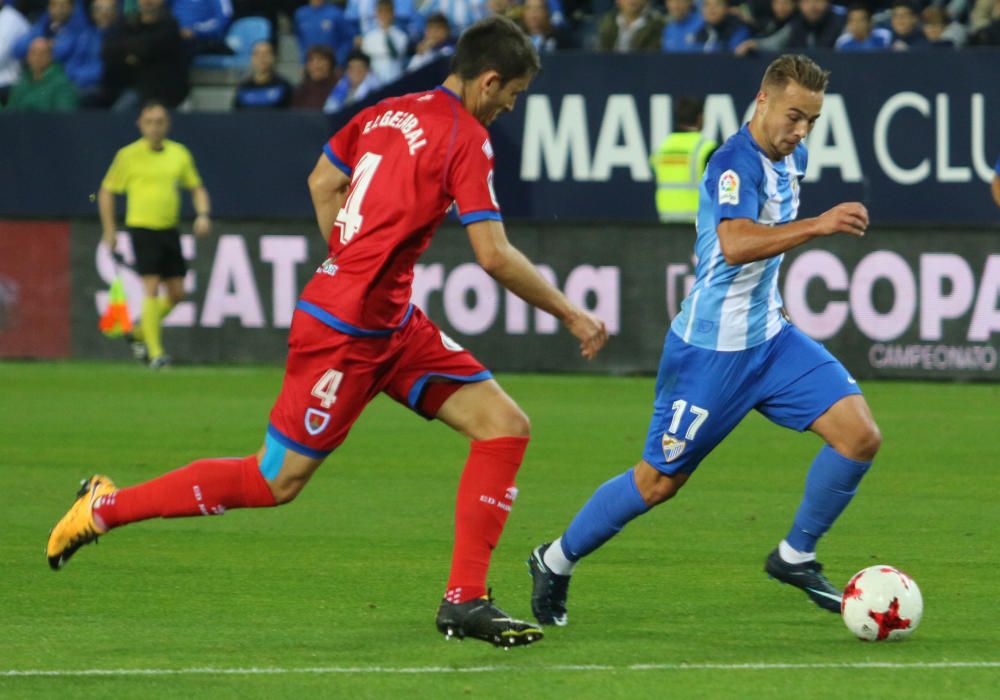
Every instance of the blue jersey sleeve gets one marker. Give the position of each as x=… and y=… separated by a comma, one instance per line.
x=733, y=179
x=997, y=168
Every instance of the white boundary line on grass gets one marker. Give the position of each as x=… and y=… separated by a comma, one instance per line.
x=355, y=670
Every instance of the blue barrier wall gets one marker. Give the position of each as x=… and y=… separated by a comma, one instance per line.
x=913, y=135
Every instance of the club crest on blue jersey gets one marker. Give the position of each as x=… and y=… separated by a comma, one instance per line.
x=672, y=447
x=316, y=421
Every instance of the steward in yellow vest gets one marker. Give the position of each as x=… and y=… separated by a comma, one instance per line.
x=680, y=163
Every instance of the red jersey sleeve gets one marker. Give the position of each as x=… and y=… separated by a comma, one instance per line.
x=470, y=180
x=341, y=147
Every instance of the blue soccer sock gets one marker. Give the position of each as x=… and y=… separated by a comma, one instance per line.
x=830, y=485
x=613, y=504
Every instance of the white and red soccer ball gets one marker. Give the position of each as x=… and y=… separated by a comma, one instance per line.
x=881, y=603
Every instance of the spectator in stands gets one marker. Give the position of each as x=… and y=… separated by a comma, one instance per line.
x=358, y=82
x=386, y=44
x=989, y=34
x=952, y=32
x=203, y=24
x=264, y=88
x=683, y=24
x=13, y=26
x=437, y=42
x=60, y=23
x=536, y=20
x=411, y=21
x=43, y=87
x=933, y=21
x=320, y=75
x=775, y=28
x=905, y=24
x=506, y=8
x=144, y=60
x=860, y=34
x=723, y=32
x=634, y=26
x=984, y=13
x=817, y=26
x=269, y=10
x=84, y=65
x=31, y=9
x=514, y=10
x=320, y=22
x=557, y=16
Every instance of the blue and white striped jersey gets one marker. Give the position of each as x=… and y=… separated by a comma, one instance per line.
x=735, y=307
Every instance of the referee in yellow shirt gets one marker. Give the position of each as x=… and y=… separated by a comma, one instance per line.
x=150, y=173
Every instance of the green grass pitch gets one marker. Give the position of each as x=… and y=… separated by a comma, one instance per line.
x=335, y=594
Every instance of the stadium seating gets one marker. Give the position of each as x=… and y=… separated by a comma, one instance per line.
x=242, y=35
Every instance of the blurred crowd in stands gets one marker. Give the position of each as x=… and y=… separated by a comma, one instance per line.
x=58, y=55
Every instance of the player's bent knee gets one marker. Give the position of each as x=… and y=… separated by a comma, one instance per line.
x=868, y=442
x=517, y=424
x=654, y=486
x=510, y=422
x=284, y=493
x=861, y=444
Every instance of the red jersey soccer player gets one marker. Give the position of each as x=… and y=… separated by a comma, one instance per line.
x=380, y=189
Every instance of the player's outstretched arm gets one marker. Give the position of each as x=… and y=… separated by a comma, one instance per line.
x=509, y=266
x=996, y=189
x=328, y=188
x=744, y=241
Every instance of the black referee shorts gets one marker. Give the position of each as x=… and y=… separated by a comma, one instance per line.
x=158, y=252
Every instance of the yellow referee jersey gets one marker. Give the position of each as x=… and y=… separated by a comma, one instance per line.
x=151, y=181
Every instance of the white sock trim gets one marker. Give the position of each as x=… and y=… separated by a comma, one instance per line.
x=556, y=561
x=792, y=555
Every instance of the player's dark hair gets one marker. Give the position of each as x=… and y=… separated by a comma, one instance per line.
x=495, y=43
x=359, y=55
x=152, y=104
x=859, y=6
x=688, y=111
x=439, y=19
x=323, y=51
x=795, y=68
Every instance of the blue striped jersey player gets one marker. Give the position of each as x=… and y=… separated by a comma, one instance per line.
x=731, y=350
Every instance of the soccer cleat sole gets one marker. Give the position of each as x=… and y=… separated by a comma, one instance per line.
x=504, y=640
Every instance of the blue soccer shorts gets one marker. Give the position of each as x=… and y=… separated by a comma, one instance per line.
x=701, y=394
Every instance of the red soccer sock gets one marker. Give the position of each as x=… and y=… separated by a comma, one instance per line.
x=205, y=487
x=486, y=493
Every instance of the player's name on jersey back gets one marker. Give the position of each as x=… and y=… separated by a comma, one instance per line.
x=406, y=122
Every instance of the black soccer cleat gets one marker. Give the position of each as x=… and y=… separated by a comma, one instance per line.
x=549, y=592
x=140, y=353
x=809, y=577
x=481, y=619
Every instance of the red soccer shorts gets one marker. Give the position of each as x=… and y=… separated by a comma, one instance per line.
x=331, y=376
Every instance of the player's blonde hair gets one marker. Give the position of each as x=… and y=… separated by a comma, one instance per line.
x=795, y=68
